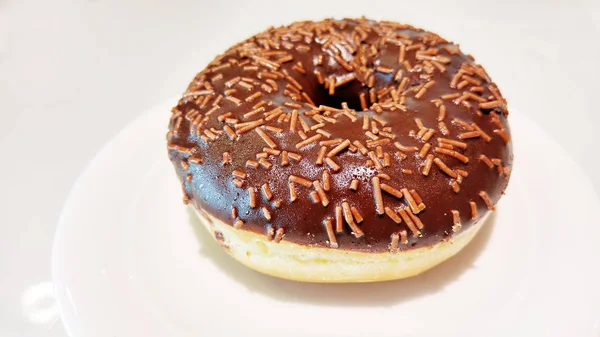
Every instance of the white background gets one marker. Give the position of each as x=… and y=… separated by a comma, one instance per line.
x=73, y=73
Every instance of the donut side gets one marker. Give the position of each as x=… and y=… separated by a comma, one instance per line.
x=303, y=263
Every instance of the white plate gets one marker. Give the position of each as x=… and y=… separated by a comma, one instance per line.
x=130, y=260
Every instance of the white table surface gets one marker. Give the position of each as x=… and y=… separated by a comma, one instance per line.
x=73, y=73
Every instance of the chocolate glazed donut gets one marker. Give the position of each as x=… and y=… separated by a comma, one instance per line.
x=344, y=134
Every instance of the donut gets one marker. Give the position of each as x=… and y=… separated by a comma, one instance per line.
x=345, y=150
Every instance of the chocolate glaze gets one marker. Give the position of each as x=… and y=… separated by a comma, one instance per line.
x=209, y=184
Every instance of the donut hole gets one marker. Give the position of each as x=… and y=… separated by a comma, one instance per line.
x=348, y=93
